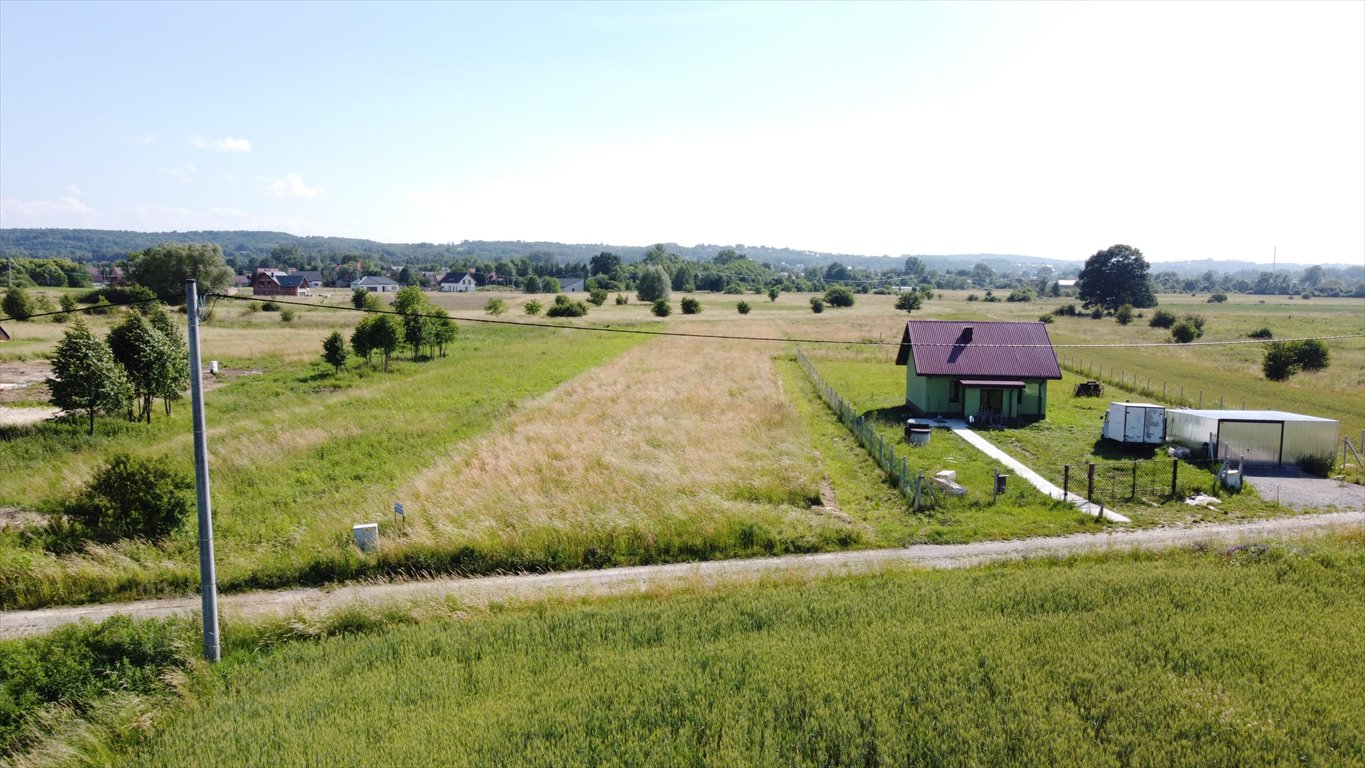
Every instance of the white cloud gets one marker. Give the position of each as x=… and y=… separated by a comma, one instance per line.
x=226, y=144
x=185, y=173
x=63, y=212
x=72, y=190
x=293, y=186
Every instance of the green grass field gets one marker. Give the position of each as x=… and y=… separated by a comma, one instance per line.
x=1245, y=656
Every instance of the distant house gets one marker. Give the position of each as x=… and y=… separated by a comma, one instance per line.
x=1066, y=283
x=313, y=276
x=458, y=282
x=571, y=284
x=375, y=284
x=274, y=282
x=961, y=369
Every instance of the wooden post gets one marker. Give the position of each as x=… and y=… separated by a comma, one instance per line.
x=1090, y=483
x=1066, y=481
x=1133, y=493
x=1175, y=473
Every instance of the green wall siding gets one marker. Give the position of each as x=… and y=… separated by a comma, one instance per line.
x=930, y=394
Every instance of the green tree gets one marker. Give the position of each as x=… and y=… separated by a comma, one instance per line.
x=85, y=376
x=146, y=357
x=175, y=379
x=1184, y=331
x=532, y=307
x=361, y=341
x=817, y=304
x=442, y=330
x=386, y=334
x=743, y=307
x=359, y=297
x=564, y=307
x=909, y=301
x=690, y=306
x=334, y=351
x=653, y=284
x=604, y=263
x=661, y=308
x=773, y=293
x=495, y=307
x=1312, y=354
x=164, y=269
x=531, y=284
x=597, y=296
x=549, y=285
x=1114, y=277
x=915, y=267
x=1124, y=314
x=18, y=304
x=839, y=296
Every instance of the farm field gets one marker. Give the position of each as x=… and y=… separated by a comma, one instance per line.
x=1166, y=658
x=609, y=449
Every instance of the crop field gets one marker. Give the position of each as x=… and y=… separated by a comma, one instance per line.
x=1245, y=656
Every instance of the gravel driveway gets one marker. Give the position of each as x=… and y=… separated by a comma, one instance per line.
x=1299, y=491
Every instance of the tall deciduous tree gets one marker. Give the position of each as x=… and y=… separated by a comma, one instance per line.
x=1114, y=277
x=653, y=284
x=85, y=376
x=145, y=355
x=172, y=385
x=17, y=303
x=164, y=268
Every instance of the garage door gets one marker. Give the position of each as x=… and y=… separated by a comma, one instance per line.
x=1255, y=442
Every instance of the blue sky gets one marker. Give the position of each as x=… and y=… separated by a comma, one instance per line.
x=1189, y=130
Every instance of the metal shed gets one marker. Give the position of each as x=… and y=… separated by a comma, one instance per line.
x=1257, y=437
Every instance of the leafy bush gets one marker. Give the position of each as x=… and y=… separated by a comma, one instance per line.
x=1046, y=317
x=1021, y=295
x=1261, y=333
x=773, y=293
x=1162, y=318
x=1197, y=321
x=1097, y=313
x=287, y=314
x=253, y=306
x=690, y=306
x=270, y=306
x=564, y=307
x=1184, y=332
x=1306, y=295
x=973, y=297
x=990, y=296
x=661, y=308
x=597, y=296
x=531, y=284
x=131, y=497
x=622, y=299
x=1311, y=354
x=495, y=307
x=839, y=296
x=1124, y=314
x=1217, y=298
x=532, y=307
x=817, y=304
x=1066, y=310
x=653, y=284
x=734, y=289
x=743, y=307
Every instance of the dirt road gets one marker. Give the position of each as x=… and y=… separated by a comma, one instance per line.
x=620, y=581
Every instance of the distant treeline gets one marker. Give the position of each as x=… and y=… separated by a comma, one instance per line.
x=55, y=257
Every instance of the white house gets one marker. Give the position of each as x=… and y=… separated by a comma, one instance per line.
x=375, y=284
x=458, y=283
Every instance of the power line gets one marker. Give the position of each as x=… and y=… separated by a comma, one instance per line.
x=786, y=339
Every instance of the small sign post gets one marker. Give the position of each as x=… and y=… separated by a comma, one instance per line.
x=399, y=518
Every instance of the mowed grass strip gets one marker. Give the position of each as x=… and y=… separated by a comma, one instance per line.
x=296, y=456
x=1248, y=656
x=677, y=449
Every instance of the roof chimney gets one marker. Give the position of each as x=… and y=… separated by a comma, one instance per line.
x=966, y=334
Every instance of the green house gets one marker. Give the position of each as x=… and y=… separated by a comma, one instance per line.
x=993, y=370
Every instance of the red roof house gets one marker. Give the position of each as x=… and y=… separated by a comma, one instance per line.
x=995, y=370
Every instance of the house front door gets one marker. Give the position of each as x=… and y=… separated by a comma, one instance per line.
x=992, y=400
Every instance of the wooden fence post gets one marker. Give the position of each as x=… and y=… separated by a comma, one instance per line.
x=1175, y=473
x=1066, y=481
x=1133, y=493
x=1090, y=483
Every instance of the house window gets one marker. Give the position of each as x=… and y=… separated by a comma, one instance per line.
x=955, y=392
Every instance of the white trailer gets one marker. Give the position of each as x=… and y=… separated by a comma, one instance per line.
x=1135, y=423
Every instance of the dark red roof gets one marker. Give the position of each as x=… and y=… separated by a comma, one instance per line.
x=995, y=350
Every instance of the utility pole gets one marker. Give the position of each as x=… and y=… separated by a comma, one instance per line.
x=208, y=579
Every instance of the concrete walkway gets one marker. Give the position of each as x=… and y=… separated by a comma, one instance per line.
x=959, y=428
